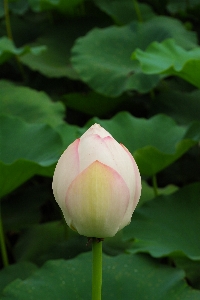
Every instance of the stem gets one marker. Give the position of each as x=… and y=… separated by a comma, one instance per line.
x=3, y=244
x=96, y=269
x=137, y=10
x=155, y=186
x=10, y=36
x=7, y=20
x=152, y=95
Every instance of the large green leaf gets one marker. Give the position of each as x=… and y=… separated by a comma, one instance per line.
x=25, y=149
x=63, y=6
x=15, y=174
x=23, y=209
x=54, y=62
x=30, y=105
x=125, y=11
x=184, y=107
x=102, y=57
x=92, y=103
x=138, y=135
x=17, y=7
x=59, y=39
x=168, y=224
x=16, y=271
x=124, y=277
x=39, y=5
x=68, y=134
x=148, y=192
x=191, y=268
x=175, y=6
x=38, y=239
x=170, y=59
x=38, y=143
x=51, y=240
x=8, y=49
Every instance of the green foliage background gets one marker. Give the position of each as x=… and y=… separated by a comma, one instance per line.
x=133, y=67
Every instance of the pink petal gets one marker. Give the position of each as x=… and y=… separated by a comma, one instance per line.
x=96, y=201
x=66, y=170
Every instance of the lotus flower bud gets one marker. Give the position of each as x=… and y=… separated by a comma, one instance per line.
x=97, y=184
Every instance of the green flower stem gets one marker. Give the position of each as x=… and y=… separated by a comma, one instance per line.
x=3, y=244
x=96, y=269
x=137, y=10
x=155, y=186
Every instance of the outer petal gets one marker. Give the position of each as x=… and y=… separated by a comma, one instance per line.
x=135, y=181
x=137, y=177
x=96, y=201
x=66, y=170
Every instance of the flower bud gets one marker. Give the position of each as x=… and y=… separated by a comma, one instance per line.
x=97, y=184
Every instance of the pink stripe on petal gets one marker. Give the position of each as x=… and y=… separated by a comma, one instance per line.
x=123, y=162
x=96, y=201
x=137, y=175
